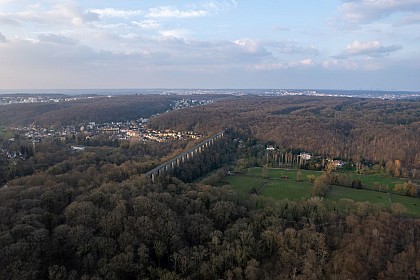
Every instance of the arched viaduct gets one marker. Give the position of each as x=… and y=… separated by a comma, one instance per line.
x=185, y=156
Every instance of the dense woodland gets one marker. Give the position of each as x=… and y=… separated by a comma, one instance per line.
x=94, y=215
x=57, y=158
x=347, y=128
x=99, y=109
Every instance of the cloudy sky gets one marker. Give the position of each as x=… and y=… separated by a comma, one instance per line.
x=334, y=44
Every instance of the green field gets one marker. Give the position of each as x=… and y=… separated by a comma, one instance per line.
x=274, y=187
x=369, y=181
x=244, y=184
x=290, y=189
x=412, y=204
x=337, y=193
x=277, y=173
x=277, y=188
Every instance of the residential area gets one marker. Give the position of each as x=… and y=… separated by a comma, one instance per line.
x=131, y=131
x=8, y=99
x=134, y=130
x=88, y=133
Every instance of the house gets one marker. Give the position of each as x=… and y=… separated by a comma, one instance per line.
x=78, y=148
x=305, y=156
x=338, y=163
x=270, y=148
x=133, y=133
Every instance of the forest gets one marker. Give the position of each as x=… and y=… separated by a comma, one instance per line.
x=99, y=109
x=95, y=215
x=345, y=128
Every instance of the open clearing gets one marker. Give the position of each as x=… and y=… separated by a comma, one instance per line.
x=291, y=190
x=277, y=188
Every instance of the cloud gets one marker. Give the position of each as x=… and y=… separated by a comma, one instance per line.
x=368, y=49
x=6, y=20
x=306, y=62
x=110, y=12
x=89, y=17
x=2, y=38
x=147, y=24
x=176, y=33
x=53, y=15
x=250, y=46
x=292, y=48
x=196, y=10
x=366, y=11
x=272, y=66
x=269, y=66
x=410, y=19
x=39, y=64
x=172, y=12
x=340, y=64
x=281, y=28
x=168, y=52
x=352, y=65
x=63, y=14
x=220, y=6
x=172, y=62
x=58, y=39
x=27, y=54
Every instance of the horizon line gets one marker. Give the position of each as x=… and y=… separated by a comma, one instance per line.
x=196, y=88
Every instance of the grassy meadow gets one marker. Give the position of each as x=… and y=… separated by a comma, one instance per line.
x=282, y=184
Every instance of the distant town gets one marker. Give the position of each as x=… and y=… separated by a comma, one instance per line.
x=89, y=132
x=134, y=130
x=33, y=96
x=41, y=98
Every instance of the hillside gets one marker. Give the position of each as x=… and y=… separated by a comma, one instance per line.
x=100, y=109
x=340, y=127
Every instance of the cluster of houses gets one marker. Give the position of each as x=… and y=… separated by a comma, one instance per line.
x=39, y=98
x=336, y=163
x=185, y=103
x=12, y=154
x=305, y=156
x=134, y=130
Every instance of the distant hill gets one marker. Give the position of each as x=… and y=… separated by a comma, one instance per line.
x=100, y=109
x=341, y=127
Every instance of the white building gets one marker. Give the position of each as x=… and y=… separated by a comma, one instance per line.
x=305, y=156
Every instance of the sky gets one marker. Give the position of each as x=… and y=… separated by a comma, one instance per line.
x=317, y=44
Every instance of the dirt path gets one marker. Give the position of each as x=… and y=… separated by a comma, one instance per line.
x=262, y=187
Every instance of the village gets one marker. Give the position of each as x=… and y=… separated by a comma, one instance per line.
x=9, y=99
x=132, y=131
x=88, y=132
